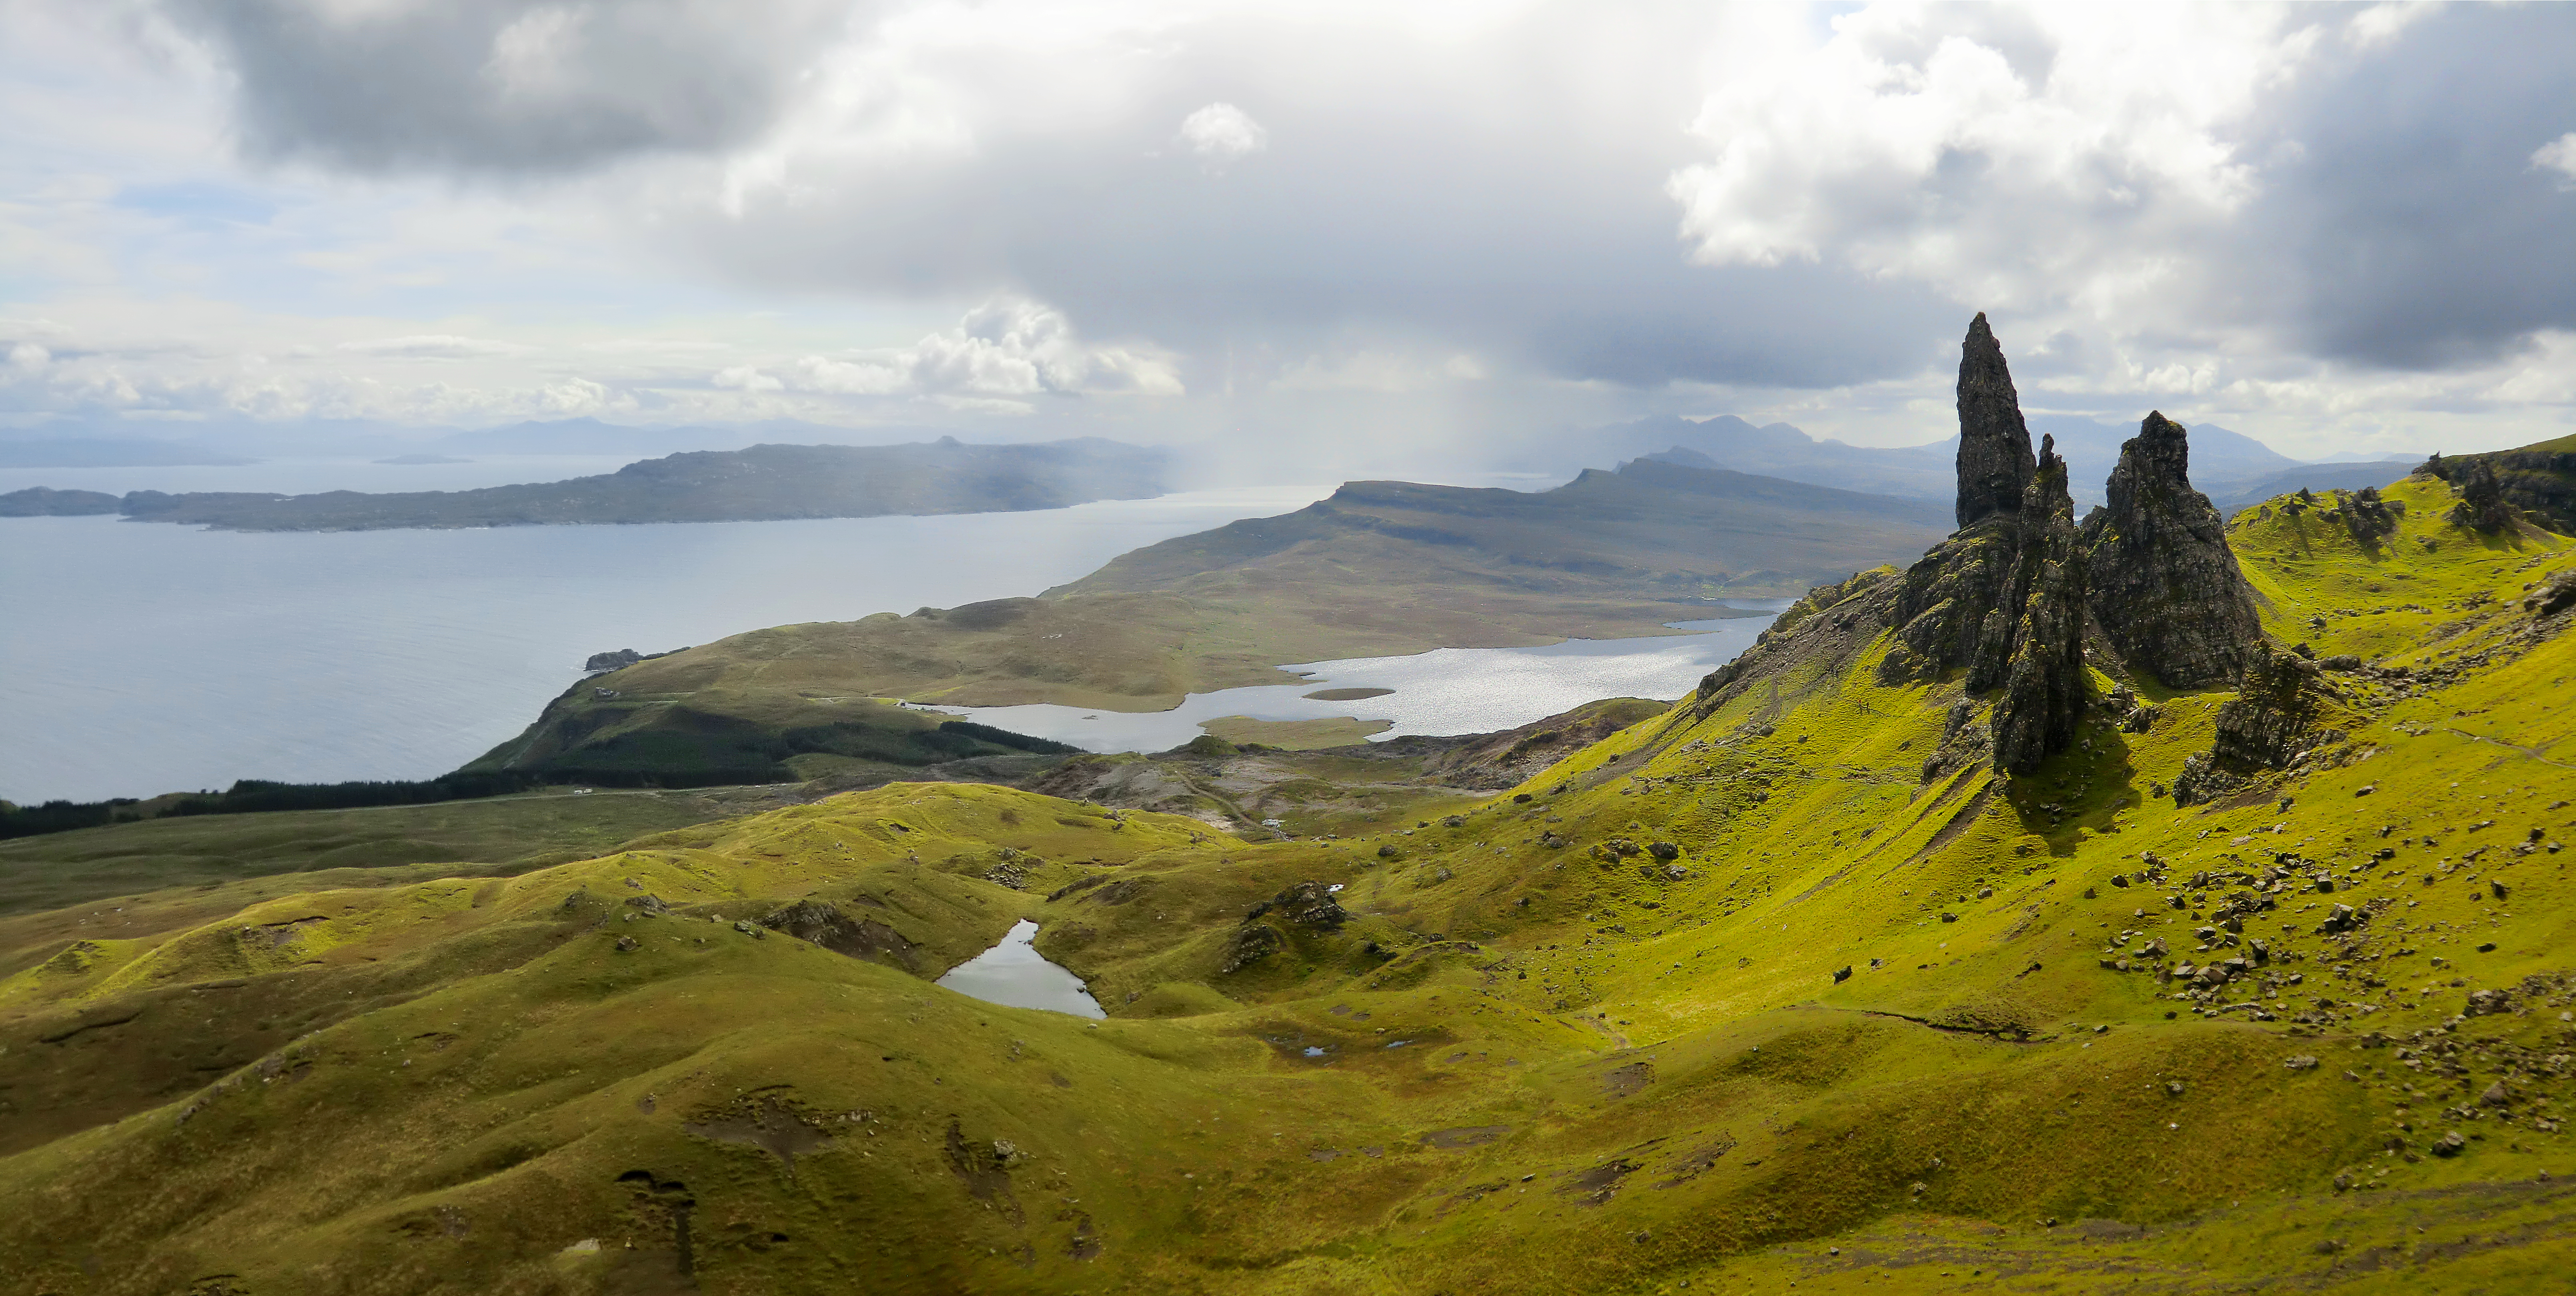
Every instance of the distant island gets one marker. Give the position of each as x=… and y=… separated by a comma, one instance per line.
x=410, y=460
x=757, y=484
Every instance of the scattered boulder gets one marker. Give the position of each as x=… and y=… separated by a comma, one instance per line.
x=2449, y=1145
x=1664, y=850
x=2551, y=596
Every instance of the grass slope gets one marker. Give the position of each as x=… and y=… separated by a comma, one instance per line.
x=1864, y=1031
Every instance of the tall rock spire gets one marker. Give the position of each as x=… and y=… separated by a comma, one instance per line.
x=2045, y=688
x=2002, y=600
x=1994, y=444
x=2165, y=587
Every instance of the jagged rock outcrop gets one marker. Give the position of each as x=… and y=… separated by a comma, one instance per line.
x=2004, y=597
x=821, y=923
x=2162, y=584
x=2279, y=715
x=2045, y=686
x=2539, y=480
x=2482, y=503
x=1994, y=444
x=1307, y=904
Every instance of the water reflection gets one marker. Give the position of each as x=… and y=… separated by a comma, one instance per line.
x=1014, y=974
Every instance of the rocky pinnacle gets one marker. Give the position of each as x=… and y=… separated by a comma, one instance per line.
x=1994, y=444
x=2045, y=688
x=2164, y=586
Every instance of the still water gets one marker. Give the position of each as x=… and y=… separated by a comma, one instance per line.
x=139, y=658
x=1013, y=973
x=1445, y=691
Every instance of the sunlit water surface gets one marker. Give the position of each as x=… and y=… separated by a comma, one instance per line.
x=1015, y=974
x=140, y=658
x=1445, y=691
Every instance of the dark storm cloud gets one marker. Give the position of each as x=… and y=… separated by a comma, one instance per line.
x=508, y=86
x=2403, y=224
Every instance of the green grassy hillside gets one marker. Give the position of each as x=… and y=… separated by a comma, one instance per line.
x=1759, y=990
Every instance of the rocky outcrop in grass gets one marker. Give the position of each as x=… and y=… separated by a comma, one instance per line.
x=2164, y=586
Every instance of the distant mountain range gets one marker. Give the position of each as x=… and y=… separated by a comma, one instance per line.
x=104, y=444
x=761, y=483
x=2227, y=466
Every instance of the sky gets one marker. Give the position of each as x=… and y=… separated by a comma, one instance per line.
x=1330, y=232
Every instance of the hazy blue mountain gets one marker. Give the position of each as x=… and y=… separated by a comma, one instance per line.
x=2221, y=460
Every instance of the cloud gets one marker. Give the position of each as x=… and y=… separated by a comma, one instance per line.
x=1003, y=350
x=2312, y=223
x=2033, y=159
x=508, y=86
x=1221, y=134
x=2558, y=155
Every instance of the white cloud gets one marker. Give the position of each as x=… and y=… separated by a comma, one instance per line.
x=1221, y=134
x=747, y=379
x=2558, y=155
x=2303, y=221
x=1003, y=350
x=536, y=51
x=2067, y=153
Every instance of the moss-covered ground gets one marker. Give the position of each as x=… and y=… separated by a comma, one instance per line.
x=1862, y=1031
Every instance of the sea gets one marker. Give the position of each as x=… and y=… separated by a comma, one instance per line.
x=141, y=658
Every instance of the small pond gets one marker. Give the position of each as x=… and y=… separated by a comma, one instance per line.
x=1014, y=974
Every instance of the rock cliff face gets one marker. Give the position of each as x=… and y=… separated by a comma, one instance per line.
x=2163, y=586
x=2045, y=687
